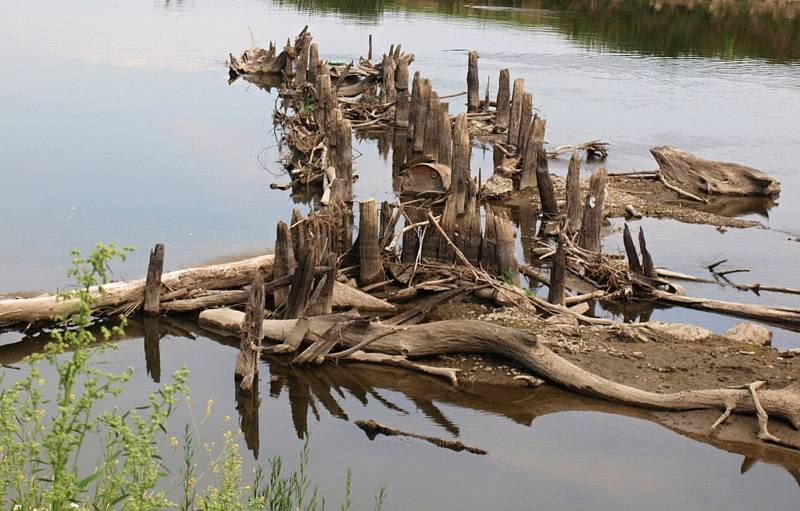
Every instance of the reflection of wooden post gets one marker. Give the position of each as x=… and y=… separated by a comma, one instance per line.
x=503, y=101
x=152, y=289
x=248, y=359
x=574, y=193
x=152, y=350
x=516, y=112
x=370, y=268
x=558, y=274
x=473, y=83
x=247, y=404
x=589, y=238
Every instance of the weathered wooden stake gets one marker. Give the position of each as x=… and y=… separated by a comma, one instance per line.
x=413, y=111
x=369, y=54
x=589, y=238
x=430, y=146
x=303, y=279
x=516, y=112
x=401, y=74
x=401, y=110
x=460, y=174
x=648, y=267
x=313, y=63
x=558, y=274
x=574, y=193
x=388, y=91
x=530, y=162
x=421, y=118
x=370, y=268
x=445, y=135
x=249, y=357
x=152, y=289
x=284, y=261
x=503, y=101
x=473, y=83
x=547, y=194
x=630, y=251
x=526, y=123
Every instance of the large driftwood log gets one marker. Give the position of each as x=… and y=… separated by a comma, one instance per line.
x=526, y=347
x=693, y=175
x=131, y=293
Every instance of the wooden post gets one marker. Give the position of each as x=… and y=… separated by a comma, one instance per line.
x=558, y=273
x=516, y=112
x=370, y=268
x=526, y=123
x=630, y=251
x=288, y=68
x=388, y=91
x=486, y=97
x=369, y=54
x=422, y=115
x=325, y=100
x=445, y=135
x=430, y=146
x=401, y=110
x=460, y=174
x=531, y=160
x=473, y=83
x=301, y=64
x=574, y=193
x=341, y=157
x=547, y=195
x=413, y=111
x=648, y=267
x=401, y=74
x=410, y=241
x=152, y=289
x=298, y=231
x=284, y=261
x=504, y=231
x=589, y=238
x=302, y=282
x=249, y=357
x=313, y=63
x=503, y=101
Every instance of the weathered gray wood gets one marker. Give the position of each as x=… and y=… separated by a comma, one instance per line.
x=503, y=101
x=648, y=268
x=420, y=121
x=388, y=91
x=526, y=122
x=547, y=194
x=401, y=107
x=505, y=233
x=589, y=238
x=370, y=268
x=473, y=83
x=249, y=356
x=302, y=283
x=341, y=157
x=462, y=150
x=573, y=193
x=414, y=102
x=558, y=274
x=284, y=261
x=313, y=63
x=298, y=231
x=530, y=162
x=630, y=251
x=430, y=147
x=152, y=288
x=301, y=62
x=515, y=119
x=401, y=75
x=445, y=136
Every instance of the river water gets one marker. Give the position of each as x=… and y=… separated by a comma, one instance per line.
x=118, y=124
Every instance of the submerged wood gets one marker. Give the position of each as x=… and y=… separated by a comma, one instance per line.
x=373, y=428
x=696, y=175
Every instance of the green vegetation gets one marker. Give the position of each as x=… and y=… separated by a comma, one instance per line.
x=44, y=432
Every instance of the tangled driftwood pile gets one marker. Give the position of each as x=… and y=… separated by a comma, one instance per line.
x=325, y=295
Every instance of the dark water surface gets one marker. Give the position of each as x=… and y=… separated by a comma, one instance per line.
x=118, y=124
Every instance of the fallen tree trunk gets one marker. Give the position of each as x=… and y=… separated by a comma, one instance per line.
x=528, y=349
x=693, y=175
x=131, y=293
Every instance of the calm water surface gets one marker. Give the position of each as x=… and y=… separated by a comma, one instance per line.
x=118, y=124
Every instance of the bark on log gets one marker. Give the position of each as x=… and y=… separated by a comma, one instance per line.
x=589, y=238
x=697, y=175
x=130, y=294
x=152, y=288
x=526, y=347
x=473, y=85
x=370, y=268
x=574, y=193
x=503, y=101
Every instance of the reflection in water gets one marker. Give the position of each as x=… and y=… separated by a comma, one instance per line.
x=727, y=29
